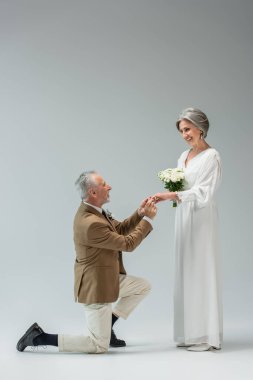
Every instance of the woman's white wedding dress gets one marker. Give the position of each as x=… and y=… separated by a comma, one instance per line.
x=197, y=297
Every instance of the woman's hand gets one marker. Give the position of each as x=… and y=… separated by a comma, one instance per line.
x=168, y=195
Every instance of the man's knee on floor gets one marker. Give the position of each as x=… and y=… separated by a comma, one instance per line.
x=101, y=349
x=101, y=344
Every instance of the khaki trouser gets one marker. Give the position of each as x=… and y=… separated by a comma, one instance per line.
x=99, y=317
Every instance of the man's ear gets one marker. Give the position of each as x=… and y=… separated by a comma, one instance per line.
x=91, y=192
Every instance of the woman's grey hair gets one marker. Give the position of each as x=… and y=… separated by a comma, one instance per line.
x=195, y=116
x=84, y=182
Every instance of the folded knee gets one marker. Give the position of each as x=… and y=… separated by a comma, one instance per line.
x=101, y=349
x=146, y=286
x=149, y=286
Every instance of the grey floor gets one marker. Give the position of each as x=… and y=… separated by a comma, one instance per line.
x=148, y=355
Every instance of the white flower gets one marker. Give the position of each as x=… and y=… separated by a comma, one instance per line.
x=173, y=175
x=173, y=180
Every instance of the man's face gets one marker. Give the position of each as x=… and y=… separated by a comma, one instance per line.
x=100, y=191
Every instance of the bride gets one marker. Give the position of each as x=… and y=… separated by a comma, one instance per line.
x=197, y=293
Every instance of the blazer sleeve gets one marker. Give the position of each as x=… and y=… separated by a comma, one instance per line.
x=100, y=235
x=127, y=226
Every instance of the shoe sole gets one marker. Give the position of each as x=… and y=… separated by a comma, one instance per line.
x=24, y=336
x=112, y=345
x=183, y=346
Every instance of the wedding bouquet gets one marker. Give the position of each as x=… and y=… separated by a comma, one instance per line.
x=173, y=180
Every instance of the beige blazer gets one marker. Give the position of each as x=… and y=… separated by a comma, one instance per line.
x=98, y=244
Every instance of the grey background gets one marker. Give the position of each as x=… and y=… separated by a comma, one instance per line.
x=99, y=85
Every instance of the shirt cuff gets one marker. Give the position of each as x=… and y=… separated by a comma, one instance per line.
x=148, y=220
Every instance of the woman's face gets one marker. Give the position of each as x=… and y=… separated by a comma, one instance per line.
x=189, y=132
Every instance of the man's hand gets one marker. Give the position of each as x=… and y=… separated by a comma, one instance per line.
x=150, y=209
x=142, y=206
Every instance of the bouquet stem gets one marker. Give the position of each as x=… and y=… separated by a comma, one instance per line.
x=174, y=203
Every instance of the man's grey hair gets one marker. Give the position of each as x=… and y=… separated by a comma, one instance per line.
x=84, y=182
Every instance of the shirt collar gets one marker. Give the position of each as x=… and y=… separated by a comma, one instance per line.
x=99, y=209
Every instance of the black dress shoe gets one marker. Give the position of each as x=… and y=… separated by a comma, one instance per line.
x=115, y=342
x=27, y=339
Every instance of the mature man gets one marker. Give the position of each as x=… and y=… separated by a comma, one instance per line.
x=100, y=277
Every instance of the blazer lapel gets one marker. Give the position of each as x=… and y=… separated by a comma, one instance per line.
x=86, y=208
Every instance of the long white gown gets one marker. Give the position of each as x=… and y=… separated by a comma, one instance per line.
x=197, y=296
